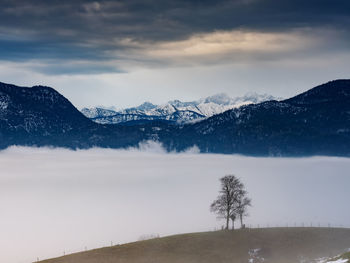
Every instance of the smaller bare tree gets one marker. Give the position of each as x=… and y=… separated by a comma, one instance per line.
x=242, y=204
x=233, y=218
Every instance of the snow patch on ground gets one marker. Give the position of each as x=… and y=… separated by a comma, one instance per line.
x=254, y=256
x=339, y=261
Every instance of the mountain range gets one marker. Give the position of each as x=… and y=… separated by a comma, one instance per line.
x=316, y=122
x=174, y=111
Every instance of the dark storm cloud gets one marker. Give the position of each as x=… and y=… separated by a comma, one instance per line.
x=94, y=31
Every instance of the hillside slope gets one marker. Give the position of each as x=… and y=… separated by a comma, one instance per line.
x=275, y=245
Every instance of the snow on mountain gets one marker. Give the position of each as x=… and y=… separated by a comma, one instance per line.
x=4, y=101
x=176, y=110
x=97, y=112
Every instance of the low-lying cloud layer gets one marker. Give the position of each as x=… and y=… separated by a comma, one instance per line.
x=56, y=200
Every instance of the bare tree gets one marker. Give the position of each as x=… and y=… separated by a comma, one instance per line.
x=233, y=218
x=241, y=206
x=226, y=203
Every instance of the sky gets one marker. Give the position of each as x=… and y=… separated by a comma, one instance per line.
x=122, y=53
x=56, y=201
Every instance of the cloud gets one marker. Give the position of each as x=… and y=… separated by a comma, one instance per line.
x=150, y=147
x=119, y=35
x=55, y=200
x=225, y=46
x=156, y=147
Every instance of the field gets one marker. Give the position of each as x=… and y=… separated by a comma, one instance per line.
x=275, y=245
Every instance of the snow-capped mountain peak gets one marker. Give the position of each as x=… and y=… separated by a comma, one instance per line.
x=146, y=106
x=175, y=110
x=220, y=99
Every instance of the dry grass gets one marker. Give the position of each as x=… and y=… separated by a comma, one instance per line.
x=278, y=245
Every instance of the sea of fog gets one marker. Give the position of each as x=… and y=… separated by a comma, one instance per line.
x=55, y=201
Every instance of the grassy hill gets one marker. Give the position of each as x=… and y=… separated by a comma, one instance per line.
x=275, y=245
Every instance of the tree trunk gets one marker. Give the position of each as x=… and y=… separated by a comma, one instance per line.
x=241, y=218
x=233, y=224
x=227, y=222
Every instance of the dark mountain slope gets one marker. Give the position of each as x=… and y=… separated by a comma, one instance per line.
x=37, y=115
x=316, y=122
x=41, y=116
x=334, y=91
